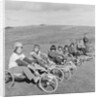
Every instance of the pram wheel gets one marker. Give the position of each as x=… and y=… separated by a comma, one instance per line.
x=48, y=83
x=9, y=79
x=58, y=73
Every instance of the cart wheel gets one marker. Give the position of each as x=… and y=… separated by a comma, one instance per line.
x=58, y=73
x=48, y=83
x=9, y=79
x=67, y=74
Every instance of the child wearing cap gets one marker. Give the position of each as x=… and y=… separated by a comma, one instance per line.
x=19, y=64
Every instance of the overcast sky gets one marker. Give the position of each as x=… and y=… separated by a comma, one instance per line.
x=19, y=13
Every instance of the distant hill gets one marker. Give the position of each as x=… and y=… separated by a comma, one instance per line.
x=47, y=33
x=43, y=27
x=8, y=27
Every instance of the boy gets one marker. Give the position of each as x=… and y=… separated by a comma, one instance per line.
x=72, y=50
x=55, y=56
x=39, y=57
x=85, y=38
x=81, y=47
x=60, y=50
x=19, y=64
x=65, y=51
x=86, y=42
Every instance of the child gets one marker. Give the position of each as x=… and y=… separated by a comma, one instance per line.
x=67, y=56
x=86, y=42
x=72, y=50
x=85, y=38
x=60, y=50
x=65, y=51
x=54, y=55
x=19, y=64
x=39, y=57
x=81, y=47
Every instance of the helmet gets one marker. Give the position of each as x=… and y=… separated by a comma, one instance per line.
x=18, y=44
x=53, y=47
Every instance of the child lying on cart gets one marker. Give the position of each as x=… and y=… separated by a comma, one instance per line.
x=19, y=64
x=54, y=56
x=41, y=60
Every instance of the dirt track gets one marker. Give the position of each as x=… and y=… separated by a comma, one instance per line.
x=84, y=78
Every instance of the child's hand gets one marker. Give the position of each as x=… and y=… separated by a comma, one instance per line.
x=36, y=72
x=31, y=67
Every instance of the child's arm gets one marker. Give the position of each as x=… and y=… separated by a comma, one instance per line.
x=24, y=63
x=34, y=56
x=28, y=60
x=45, y=57
x=21, y=62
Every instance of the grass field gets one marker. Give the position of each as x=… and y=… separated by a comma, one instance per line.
x=84, y=78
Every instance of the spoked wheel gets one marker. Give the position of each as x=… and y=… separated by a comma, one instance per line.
x=58, y=73
x=48, y=83
x=9, y=79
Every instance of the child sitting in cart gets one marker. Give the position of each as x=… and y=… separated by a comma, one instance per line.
x=40, y=59
x=66, y=53
x=19, y=64
x=55, y=56
x=60, y=50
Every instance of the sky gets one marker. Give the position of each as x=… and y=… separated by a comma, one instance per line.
x=21, y=13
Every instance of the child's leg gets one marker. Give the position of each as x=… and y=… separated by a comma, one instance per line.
x=41, y=63
x=25, y=70
x=37, y=66
x=29, y=74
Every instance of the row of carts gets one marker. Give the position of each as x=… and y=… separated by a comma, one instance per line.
x=50, y=78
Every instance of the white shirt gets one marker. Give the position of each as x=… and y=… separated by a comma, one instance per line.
x=13, y=58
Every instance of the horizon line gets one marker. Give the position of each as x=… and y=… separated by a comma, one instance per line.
x=49, y=25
